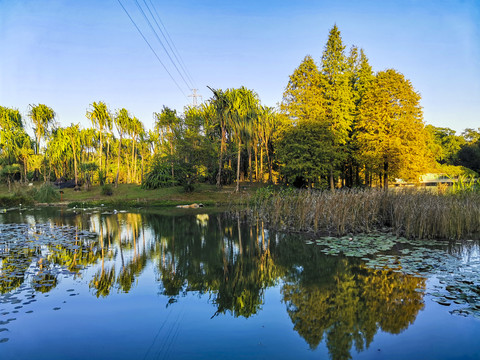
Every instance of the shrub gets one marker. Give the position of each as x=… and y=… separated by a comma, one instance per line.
x=107, y=190
x=46, y=193
x=159, y=176
x=102, y=177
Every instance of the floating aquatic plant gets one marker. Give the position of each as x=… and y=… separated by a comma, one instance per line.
x=459, y=277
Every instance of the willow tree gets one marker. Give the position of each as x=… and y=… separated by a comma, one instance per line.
x=391, y=134
x=42, y=117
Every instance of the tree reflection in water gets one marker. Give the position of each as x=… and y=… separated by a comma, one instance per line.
x=334, y=299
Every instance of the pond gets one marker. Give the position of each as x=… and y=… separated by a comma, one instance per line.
x=99, y=284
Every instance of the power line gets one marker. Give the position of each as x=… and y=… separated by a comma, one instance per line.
x=160, y=61
x=160, y=41
x=169, y=40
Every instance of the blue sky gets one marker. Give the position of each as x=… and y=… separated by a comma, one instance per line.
x=67, y=54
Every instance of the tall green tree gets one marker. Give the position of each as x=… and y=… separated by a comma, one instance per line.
x=447, y=144
x=471, y=135
x=304, y=152
x=166, y=124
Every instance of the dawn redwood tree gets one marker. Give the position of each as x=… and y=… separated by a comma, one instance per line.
x=361, y=77
x=337, y=94
x=391, y=134
x=302, y=98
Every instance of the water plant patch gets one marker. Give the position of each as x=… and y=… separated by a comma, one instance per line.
x=453, y=266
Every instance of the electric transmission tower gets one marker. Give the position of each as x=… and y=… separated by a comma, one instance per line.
x=194, y=97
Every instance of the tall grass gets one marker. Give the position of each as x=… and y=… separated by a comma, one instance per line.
x=411, y=213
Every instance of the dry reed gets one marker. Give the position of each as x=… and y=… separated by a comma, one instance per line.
x=411, y=213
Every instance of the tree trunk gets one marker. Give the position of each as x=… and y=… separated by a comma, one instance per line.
x=332, y=184
x=142, y=169
x=106, y=159
x=135, y=168
x=238, y=165
x=75, y=163
x=385, y=175
x=220, y=160
x=261, y=163
x=269, y=160
x=249, y=149
x=118, y=161
x=25, y=164
x=100, y=151
x=256, y=163
x=171, y=159
x=133, y=152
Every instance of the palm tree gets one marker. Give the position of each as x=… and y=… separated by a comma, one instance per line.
x=72, y=133
x=166, y=125
x=42, y=117
x=122, y=121
x=267, y=126
x=101, y=119
x=136, y=128
x=58, y=151
x=220, y=104
x=242, y=110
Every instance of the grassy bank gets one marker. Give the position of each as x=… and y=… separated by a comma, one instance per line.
x=127, y=195
x=411, y=213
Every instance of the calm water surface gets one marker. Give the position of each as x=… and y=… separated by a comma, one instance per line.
x=101, y=285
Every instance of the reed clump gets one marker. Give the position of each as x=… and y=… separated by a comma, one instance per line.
x=412, y=213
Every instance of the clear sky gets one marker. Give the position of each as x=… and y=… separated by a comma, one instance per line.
x=68, y=53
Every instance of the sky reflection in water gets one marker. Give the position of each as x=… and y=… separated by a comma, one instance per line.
x=139, y=285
